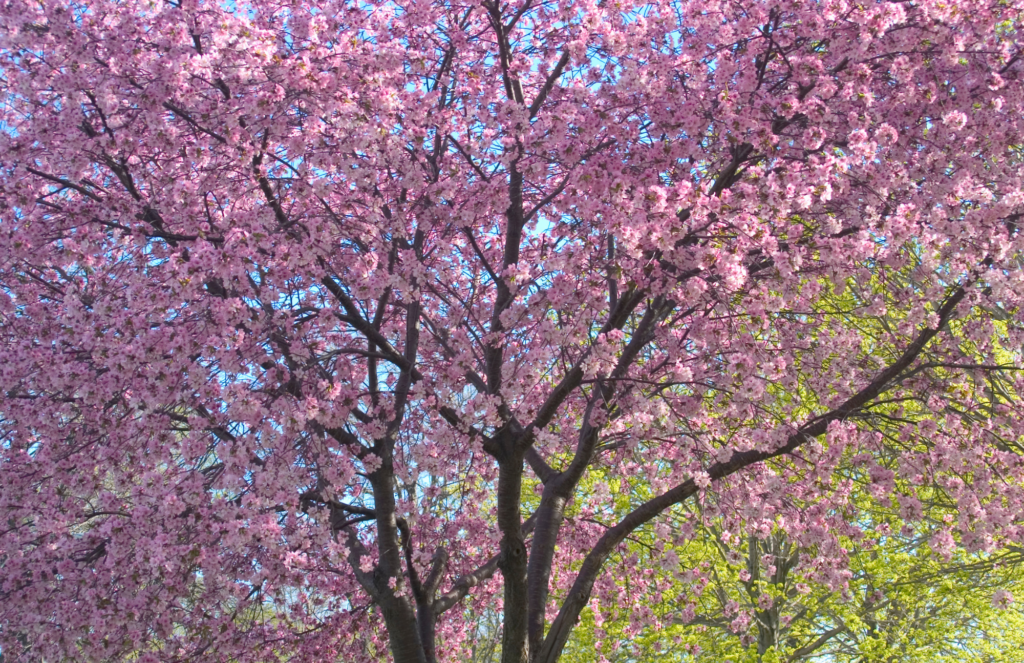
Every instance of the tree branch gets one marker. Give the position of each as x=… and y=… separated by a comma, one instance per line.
x=579, y=594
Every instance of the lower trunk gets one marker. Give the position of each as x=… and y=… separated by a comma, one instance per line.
x=397, y=610
x=542, y=551
x=513, y=563
x=426, y=623
x=403, y=634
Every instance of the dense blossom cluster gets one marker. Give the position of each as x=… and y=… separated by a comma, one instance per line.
x=324, y=324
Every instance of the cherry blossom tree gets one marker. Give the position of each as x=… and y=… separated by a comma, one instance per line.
x=323, y=324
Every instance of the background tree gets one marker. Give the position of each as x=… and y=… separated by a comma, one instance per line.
x=295, y=296
x=759, y=600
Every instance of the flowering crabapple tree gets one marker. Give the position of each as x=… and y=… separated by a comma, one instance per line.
x=316, y=317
